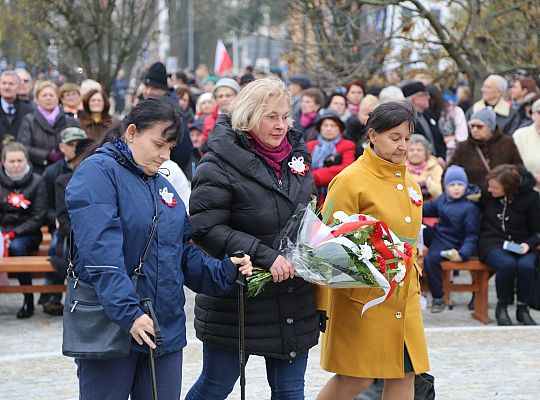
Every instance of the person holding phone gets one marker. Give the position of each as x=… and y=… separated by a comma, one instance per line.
x=509, y=234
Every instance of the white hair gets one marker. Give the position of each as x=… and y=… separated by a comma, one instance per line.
x=24, y=71
x=89, y=84
x=391, y=93
x=500, y=82
x=10, y=72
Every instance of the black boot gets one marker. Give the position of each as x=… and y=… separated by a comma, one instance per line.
x=501, y=313
x=523, y=316
x=27, y=310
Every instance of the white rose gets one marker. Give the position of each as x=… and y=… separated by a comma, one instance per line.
x=342, y=217
x=401, y=271
x=365, y=252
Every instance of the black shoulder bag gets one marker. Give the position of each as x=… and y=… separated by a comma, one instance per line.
x=88, y=333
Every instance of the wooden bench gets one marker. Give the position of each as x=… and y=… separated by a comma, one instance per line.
x=32, y=264
x=480, y=274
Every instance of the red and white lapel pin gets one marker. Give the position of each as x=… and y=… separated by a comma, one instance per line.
x=18, y=200
x=416, y=198
x=298, y=166
x=167, y=197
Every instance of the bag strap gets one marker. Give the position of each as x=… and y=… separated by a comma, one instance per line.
x=144, y=254
x=484, y=161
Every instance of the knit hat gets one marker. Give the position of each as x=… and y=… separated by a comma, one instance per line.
x=197, y=125
x=226, y=82
x=412, y=88
x=455, y=174
x=301, y=80
x=334, y=116
x=156, y=76
x=72, y=133
x=487, y=116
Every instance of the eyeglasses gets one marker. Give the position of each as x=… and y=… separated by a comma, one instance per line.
x=477, y=126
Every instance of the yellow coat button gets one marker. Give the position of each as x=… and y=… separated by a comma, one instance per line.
x=398, y=315
x=408, y=219
x=399, y=186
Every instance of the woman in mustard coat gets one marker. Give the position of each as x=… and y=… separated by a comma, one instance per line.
x=388, y=341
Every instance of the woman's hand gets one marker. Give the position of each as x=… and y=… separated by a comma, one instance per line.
x=281, y=269
x=525, y=247
x=140, y=329
x=244, y=264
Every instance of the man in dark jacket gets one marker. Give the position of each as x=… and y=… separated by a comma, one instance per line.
x=12, y=111
x=155, y=84
x=417, y=94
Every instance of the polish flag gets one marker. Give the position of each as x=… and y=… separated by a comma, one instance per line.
x=223, y=62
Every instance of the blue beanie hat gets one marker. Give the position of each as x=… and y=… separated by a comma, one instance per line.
x=455, y=174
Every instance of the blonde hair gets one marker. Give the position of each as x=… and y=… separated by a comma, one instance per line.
x=368, y=103
x=40, y=85
x=69, y=87
x=255, y=101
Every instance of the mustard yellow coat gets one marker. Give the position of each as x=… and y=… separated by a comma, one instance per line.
x=372, y=345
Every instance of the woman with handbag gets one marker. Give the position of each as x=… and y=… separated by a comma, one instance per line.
x=387, y=341
x=125, y=218
x=485, y=148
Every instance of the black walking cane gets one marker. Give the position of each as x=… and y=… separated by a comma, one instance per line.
x=241, y=281
x=149, y=309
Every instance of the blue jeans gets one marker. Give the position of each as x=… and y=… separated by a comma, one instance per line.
x=221, y=370
x=512, y=268
x=116, y=379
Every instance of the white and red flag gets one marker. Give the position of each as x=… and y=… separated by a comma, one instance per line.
x=223, y=62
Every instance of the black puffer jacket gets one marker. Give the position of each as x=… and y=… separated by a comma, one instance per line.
x=23, y=221
x=237, y=203
x=516, y=220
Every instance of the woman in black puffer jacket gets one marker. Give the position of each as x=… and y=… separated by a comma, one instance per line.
x=23, y=208
x=244, y=192
x=511, y=212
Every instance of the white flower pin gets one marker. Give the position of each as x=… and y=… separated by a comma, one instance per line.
x=298, y=166
x=167, y=197
x=415, y=197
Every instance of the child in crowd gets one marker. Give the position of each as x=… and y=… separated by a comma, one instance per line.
x=456, y=235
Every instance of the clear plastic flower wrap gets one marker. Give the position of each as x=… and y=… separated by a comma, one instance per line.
x=355, y=251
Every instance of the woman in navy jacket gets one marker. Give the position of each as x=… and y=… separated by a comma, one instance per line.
x=110, y=200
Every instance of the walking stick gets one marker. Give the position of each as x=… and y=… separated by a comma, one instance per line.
x=241, y=281
x=149, y=309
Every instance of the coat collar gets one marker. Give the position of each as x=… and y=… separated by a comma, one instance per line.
x=382, y=169
x=501, y=108
x=234, y=148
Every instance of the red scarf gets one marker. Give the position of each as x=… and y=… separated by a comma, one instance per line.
x=274, y=156
x=417, y=169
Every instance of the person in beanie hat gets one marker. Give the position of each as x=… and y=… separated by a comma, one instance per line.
x=455, y=237
x=330, y=151
x=485, y=148
x=224, y=93
x=298, y=83
x=155, y=80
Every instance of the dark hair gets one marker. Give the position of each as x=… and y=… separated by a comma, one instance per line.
x=154, y=110
x=315, y=94
x=181, y=90
x=508, y=176
x=529, y=84
x=356, y=83
x=245, y=79
x=389, y=115
x=437, y=103
x=336, y=94
x=106, y=103
x=181, y=76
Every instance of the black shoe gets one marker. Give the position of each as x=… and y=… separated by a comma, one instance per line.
x=523, y=316
x=27, y=310
x=501, y=314
x=470, y=306
x=56, y=309
x=437, y=306
x=44, y=298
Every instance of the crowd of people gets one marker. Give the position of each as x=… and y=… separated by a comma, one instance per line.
x=224, y=146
